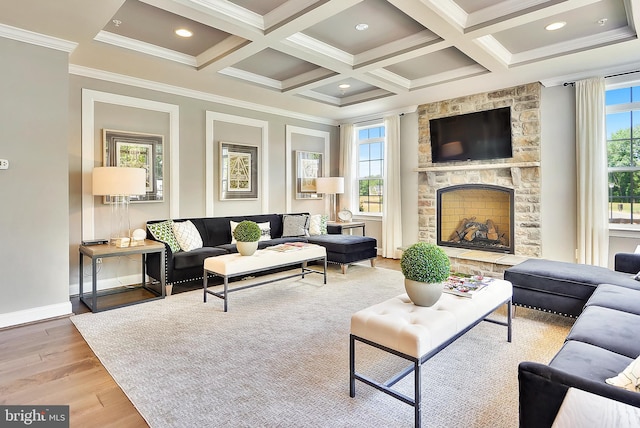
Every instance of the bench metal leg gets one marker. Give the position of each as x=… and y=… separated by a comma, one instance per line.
x=417, y=395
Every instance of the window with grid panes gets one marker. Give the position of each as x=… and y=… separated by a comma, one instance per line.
x=623, y=154
x=370, y=169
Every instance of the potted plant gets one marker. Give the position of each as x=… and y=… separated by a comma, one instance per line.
x=424, y=266
x=247, y=233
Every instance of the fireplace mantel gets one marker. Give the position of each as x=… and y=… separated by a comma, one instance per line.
x=478, y=166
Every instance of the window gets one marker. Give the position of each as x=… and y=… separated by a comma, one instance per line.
x=370, y=168
x=623, y=153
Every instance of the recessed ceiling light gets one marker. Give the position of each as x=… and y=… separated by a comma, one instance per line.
x=555, y=26
x=362, y=27
x=344, y=86
x=183, y=32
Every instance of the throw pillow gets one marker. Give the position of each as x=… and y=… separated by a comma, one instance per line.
x=629, y=378
x=318, y=224
x=187, y=235
x=637, y=277
x=265, y=231
x=163, y=231
x=295, y=225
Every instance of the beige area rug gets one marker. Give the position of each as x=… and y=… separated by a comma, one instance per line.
x=279, y=358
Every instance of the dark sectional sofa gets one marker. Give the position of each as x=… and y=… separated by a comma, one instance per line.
x=187, y=266
x=603, y=341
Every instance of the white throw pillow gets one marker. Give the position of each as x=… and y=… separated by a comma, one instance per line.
x=265, y=231
x=187, y=235
x=630, y=377
x=295, y=225
x=318, y=224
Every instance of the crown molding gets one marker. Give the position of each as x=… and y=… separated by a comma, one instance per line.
x=190, y=93
x=14, y=33
x=145, y=48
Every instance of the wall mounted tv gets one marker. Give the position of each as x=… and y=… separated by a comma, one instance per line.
x=472, y=136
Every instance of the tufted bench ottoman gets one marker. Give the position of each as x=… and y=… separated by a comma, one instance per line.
x=418, y=333
x=346, y=249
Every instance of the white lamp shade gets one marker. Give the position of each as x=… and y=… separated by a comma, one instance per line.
x=330, y=185
x=113, y=180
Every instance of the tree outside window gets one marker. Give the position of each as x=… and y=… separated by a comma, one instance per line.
x=370, y=169
x=623, y=154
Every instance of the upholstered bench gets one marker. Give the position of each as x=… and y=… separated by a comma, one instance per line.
x=560, y=287
x=346, y=249
x=418, y=333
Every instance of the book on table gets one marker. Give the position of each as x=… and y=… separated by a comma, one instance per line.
x=465, y=285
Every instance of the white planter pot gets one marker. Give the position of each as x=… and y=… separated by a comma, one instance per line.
x=421, y=293
x=247, y=248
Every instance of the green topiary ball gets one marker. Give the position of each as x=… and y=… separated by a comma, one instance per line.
x=247, y=231
x=425, y=262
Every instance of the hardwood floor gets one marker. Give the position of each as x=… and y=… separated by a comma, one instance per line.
x=49, y=363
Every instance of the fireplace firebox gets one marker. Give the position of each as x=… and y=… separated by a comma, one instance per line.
x=476, y=216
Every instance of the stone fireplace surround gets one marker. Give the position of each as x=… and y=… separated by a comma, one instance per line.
x=520, y=173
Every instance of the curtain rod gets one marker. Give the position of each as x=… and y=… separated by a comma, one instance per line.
x=372, y=120
x=606, y=77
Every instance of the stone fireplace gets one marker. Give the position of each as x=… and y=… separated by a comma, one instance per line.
x=518, y=177
x=476, y=216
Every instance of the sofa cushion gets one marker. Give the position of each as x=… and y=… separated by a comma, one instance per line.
x=589, y=361
x=318, y=224
x=295, y=225
x=163, y=231
x=337, y=243
x=616, y=331
x=629, y=378
x=615, y=297
x=187, y=235
x=195, y=258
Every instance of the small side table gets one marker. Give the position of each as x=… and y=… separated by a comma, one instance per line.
x=95, y=252
x=340, y=227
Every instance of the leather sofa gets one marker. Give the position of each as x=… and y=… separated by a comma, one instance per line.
x=601, y=344
x=187, y=266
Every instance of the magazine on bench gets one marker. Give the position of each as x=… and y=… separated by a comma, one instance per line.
x=288, y=246
x=465, y=285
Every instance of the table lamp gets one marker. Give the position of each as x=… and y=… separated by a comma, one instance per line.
x=119, y=184
x=330, y=186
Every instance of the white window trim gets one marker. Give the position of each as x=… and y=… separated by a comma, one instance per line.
x=356, y=203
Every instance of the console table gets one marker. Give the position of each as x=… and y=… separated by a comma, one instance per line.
x=95, y=252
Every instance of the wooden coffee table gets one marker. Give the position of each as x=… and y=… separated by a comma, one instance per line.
x=234, y=265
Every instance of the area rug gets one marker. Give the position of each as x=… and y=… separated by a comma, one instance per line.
x=279, y=358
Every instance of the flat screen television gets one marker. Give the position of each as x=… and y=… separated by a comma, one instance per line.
x=472, y=136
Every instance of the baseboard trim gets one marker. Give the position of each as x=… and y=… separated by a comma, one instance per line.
x=105, y=284
x=35, y=314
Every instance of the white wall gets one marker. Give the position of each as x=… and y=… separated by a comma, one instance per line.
x=34, y=230
x=408, y=164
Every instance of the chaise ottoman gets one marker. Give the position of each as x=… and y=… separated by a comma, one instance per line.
x=346, y=249
x=560, y=287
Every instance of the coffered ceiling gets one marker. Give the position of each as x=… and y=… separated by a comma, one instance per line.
x=307, y=56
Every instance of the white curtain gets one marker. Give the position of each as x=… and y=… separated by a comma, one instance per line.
x=392, y=191
x=348, y=167
x=591, y=159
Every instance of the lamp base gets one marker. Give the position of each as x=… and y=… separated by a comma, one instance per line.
x=120, y=242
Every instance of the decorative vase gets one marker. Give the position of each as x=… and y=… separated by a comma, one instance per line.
x=422, y=293
x=247, y=248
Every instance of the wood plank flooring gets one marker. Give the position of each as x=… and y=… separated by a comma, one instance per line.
x=49, y=363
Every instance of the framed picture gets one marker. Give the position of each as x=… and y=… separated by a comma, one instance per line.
x=238, y=171
x=308, y=168
x=137, y=150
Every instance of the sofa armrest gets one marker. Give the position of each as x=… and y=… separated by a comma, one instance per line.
x=627, y=262
x=543, y=388
x=154, y=265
